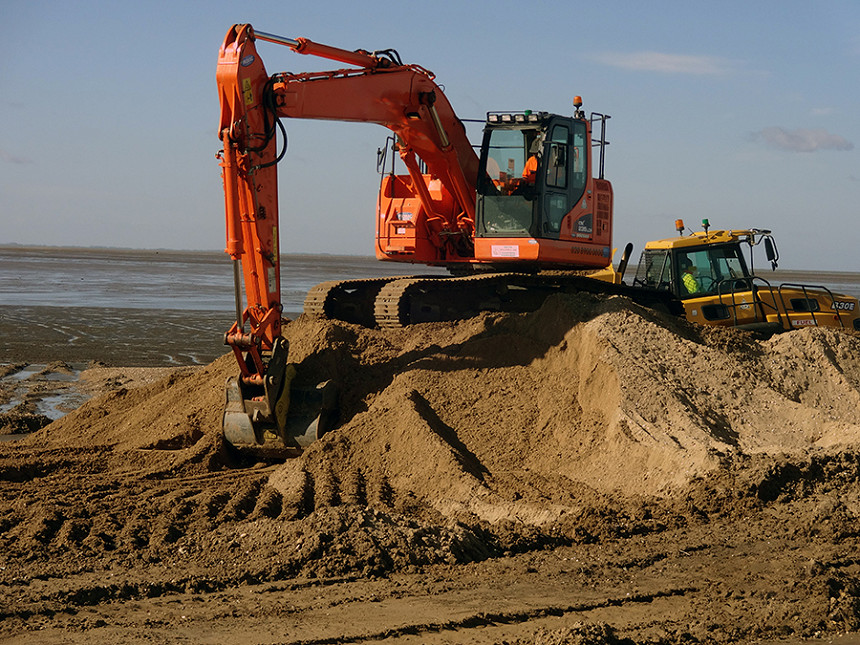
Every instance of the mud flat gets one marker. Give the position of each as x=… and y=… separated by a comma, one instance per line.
x=592, y=472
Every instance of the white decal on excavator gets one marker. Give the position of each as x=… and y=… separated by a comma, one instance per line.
x=505, y=251
x=272, y=278
x=843, y=306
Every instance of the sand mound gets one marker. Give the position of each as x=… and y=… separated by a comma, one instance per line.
x=174, y=411
x=589, y=418
x=522, y=418
x=576, y=426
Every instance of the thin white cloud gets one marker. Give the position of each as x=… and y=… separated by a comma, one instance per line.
x=802, y=139
x=822, y=111
x=11, y=158
x=648, y=61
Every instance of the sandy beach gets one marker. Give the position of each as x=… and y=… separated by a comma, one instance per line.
x=592, y=472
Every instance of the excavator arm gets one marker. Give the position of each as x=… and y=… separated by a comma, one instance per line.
x=248, y=159
x=377, y=89
x=403, y=98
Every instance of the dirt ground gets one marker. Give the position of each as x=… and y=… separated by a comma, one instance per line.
x=591, y=473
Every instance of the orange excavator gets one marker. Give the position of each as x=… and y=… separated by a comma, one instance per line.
x=525, y=217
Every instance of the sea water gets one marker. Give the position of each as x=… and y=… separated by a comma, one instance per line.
x=159, y=279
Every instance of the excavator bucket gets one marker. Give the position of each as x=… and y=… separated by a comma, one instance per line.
x=278, y=416
x=310, y=413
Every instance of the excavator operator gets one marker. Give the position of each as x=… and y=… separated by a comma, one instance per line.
x=526, y=186
x=530, y=169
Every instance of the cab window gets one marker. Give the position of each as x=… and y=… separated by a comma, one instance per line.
x=706, y=271
x=556, y=166
x=507, y=204
x=577, y=164
x=655, y=270
x=506, y=154
x=727, y=263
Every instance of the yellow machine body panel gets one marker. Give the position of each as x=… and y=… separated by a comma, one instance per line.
x=708, y=272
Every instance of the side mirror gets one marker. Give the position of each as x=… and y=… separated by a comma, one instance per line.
x=770, y=252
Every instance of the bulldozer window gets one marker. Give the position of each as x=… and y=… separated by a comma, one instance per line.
x=698, y=274
x=718, y=269
x=727, y=262
x=655, y=270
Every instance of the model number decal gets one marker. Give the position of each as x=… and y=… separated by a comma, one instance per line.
x=505, y=251
x=844, y=306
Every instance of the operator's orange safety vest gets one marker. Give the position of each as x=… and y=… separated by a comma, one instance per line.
x=530, y=170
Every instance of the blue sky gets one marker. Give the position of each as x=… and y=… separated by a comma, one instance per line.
x=747, y=113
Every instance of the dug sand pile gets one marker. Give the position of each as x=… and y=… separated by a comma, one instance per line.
x=522, y=418
x=583, y=424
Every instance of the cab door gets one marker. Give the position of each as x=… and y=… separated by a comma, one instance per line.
x=564, y=178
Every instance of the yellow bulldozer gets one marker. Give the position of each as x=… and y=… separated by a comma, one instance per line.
x=708, y=272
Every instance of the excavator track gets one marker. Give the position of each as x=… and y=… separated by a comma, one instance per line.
x=347, y=300
x=415, y=300
x=399, y=302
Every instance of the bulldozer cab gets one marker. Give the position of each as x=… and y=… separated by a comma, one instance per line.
x=533, y=170
x=717, y=283
x=693, y=272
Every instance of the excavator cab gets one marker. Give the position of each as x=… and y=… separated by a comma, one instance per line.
x=533, y=172
x=535, y=193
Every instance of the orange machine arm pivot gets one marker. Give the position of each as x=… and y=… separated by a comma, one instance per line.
x=404, y=99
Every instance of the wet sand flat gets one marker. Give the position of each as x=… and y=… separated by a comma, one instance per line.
x=121, y=337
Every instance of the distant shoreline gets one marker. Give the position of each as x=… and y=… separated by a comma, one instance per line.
x=102, y=250
x=780, y=275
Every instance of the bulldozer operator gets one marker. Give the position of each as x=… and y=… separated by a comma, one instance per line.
x=688, y=276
